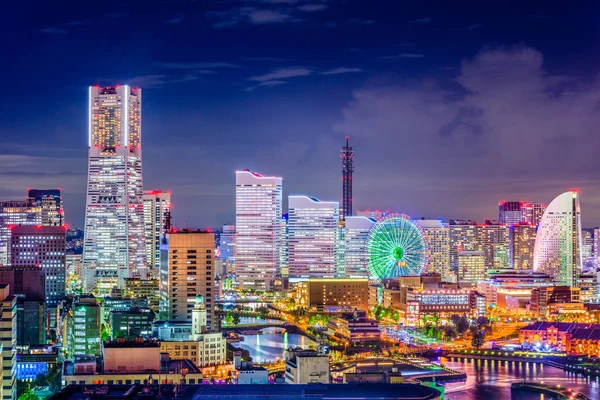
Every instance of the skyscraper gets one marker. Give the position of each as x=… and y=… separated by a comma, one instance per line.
x=558, y=242
x=312, y=237
x=114, y=219
x=258, y=201
x=521, y=243
x=437, y=237
x=355, y=246
x=532, y=212
x=14, y=213
x=464, y=236
x=42, y=247
x=347, y=157
x=510, y=212
x=494, y=243
x=51, y=203
x=157, y=208
x=186, y=271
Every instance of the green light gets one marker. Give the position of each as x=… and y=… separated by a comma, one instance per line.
x=398, y=253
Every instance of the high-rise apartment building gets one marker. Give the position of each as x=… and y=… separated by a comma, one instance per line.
x=494, y=243
x=521, y=243
x=587, y=244
x=356, y=233
x=227, y=246
x=464, y=236
x=312, y=237
x=15, y=213
x=558, y=241
x=471, y=266
x=114, y=220
x=437, y=237
x=8, y=342
x=157, y=209
x=532, y=212
x=51, y=203
x=43, y=247
x=186, y=271
x=258, y=229
x=510, y=212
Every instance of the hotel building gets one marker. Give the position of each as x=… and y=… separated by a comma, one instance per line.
x=114, y=219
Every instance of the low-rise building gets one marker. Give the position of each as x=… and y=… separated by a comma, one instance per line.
x=334, y=294
x=542, y=297
x=443, y=303
x=132, y=324
x=143, y=288
x=355, y=327
x=572, y=338
x=245, y=373
x=306, y=366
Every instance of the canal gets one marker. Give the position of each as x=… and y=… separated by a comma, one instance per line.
x=272, y=346
x=487, y=380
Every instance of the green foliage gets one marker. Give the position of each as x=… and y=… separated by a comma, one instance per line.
x=105, y=332
x=462, y=324
x=380, y=312
x=478, y=338
x=28, y=395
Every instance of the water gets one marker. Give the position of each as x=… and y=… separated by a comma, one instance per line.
x=272, y=346
x=259, y=321
x=492, y=379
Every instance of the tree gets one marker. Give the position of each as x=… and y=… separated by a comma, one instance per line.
x=478, y=337
x=454, y=319
x=462, y=325
x=29, y=395
x=482, y=321
x=235, y=319
x=449, y=332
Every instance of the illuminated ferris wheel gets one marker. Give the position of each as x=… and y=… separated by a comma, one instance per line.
x=396, y=247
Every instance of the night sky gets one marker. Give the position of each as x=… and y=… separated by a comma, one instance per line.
x=449, y=109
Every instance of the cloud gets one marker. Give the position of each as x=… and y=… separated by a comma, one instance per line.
x=253, y=16
x=265, y=84
x=175, y=20
x=510, y=126
x=474, y=26
x=282, y=73
x=403, y=55
x=312, y=7
x=159, y=80
x=424, y=20
x=340, y=70
x=198, y=65
x=53, y=30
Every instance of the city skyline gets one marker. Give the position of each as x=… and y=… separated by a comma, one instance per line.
x=286, y=111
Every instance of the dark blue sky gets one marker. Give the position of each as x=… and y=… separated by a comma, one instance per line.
x=449, y=108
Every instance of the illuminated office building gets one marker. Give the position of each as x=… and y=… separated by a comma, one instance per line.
x=8, y=342
x=558, y=242
x=114, y=220
x=51, y=203
x=510, y=212
x=15, y=213
x=494, y=243
x=471, y=266
x=532, y=212
x=355, y=246
x=521, y=242
x=312, y=237
x=42, y=247
x=258, y=213
x=437, y=237
x=464, y=236
x=186, y=270
x=157, y=207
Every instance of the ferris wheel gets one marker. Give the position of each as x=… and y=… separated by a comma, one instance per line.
x=396, y=247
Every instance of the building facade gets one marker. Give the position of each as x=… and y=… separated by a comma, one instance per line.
x=186, y=271
x=437, y=237
x=51, y=203
x=510, y=212
x=15, y=213
x=258, y=229
x=532, y=212
x=42, y=247
x=356, y=233
x=558, y=242
x=312, y=231
x=114, y=247
x=157, y=209
x=334, y=294
x=138, y=288
x=8, y=342
x=84, y=328
x=471, y=266
x=521, y=242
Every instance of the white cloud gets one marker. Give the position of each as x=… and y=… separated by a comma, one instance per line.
x=281, y=73
x=265, y=84
x=340, y=70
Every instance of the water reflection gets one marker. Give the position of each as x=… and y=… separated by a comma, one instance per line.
x=491, y=379
x=272, y=346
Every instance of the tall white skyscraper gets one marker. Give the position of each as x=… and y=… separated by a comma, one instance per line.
x=558, y=241
x=312, y=228
x=157, y=207
x=114, y=220
x=258, y=207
